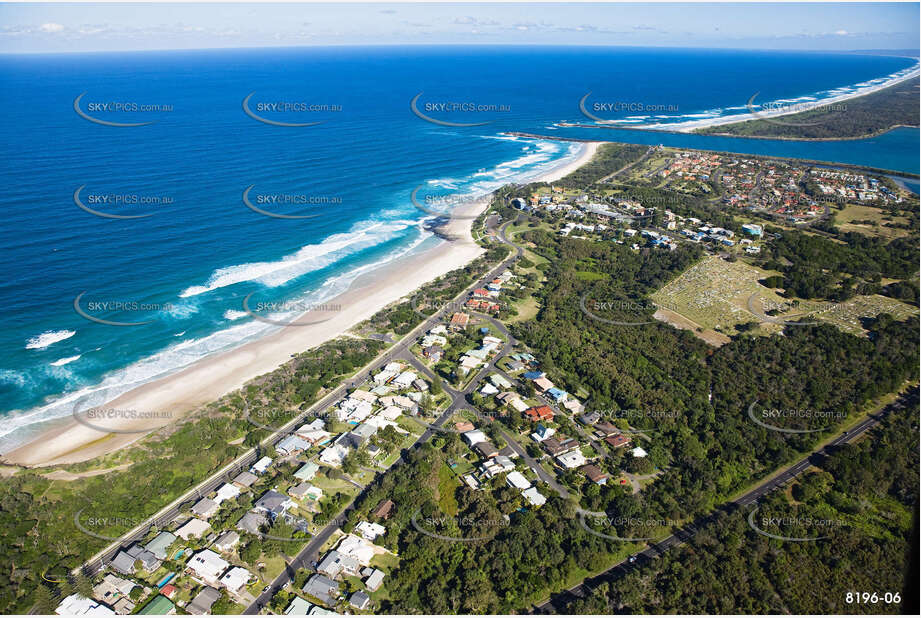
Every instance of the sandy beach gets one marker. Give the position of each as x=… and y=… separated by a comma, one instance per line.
x=207, y=380
x=693, y=125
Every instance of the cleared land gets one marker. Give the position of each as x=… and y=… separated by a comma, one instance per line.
x=711, y=298
x=714, y=293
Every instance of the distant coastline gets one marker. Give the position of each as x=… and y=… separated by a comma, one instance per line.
x=697, y=126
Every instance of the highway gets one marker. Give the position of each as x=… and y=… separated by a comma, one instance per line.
x=558, y=603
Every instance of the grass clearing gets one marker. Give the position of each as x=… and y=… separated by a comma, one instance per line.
x=713, y=294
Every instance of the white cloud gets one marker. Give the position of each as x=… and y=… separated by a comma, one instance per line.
x=841, y=32
x=51, y=27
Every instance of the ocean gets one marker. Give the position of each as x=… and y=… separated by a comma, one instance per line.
x=175, y=275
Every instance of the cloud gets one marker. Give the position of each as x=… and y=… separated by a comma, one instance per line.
x=51, y=27
x=469, y=20
x=841, y=32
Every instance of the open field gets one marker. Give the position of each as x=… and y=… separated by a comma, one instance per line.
x=846, y=316
x=870, y=221
x=714, y=293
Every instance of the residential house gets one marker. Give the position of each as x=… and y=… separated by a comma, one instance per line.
x=473, y=437
x=433, y=353
x=486, y=449
x=274, y=503
x=543, y=384
x=370, y=531
x=123, y=563
x=322, y=588
x=193, y=528
x=160, y=544
x=205, y=508
x=517, y=480
x=374, y=580
x=605, y=429
x=203, y=601
x=573, y=405
x=360, y=600
x=384, y=509
x=159, y=606
x=76, y=605
x=571, y=459
x=618, y=440
x=252, y=522
x=595, y=474
x=559, y=444
x=459, y=321
x=307, y=471
x=357, y=548
x=299, y=491
x=298, y=607
x=261, y=466
x=533, y=496
x=226, y=492
x=149, y=562
x=335, y=564
x=291, y=444
x=111, y=589
x=539, y=413
x=245, y=479
x=542, y=433
x=207, y=566
x=227, y=541
x=235, y=579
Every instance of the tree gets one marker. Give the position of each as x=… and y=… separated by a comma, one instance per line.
x=83, y=585
x=436, y=388
x=44, y=600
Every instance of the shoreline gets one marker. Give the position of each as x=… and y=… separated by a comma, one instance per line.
x=691, y=126
x=67, y=441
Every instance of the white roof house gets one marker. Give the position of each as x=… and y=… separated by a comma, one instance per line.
x=226, y=491
x=333, y=454
x=193, y=528
x=572, y=459
x=474, y=437
x=76, y=605
x=405, y=379
x=370, y=530
x=357, y=548
x=235, y=578
x=207, y=565
x=533, y=496
x=517, y=480
x=638, y=452
x=261, y=466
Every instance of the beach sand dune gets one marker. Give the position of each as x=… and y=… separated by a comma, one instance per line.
x=213, y=377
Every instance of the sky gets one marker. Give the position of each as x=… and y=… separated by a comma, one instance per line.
x=82, y=27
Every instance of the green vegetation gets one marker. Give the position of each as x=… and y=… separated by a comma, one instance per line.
x=864, y=116
x=609, y=158
x=37, y=530
x=868, y=489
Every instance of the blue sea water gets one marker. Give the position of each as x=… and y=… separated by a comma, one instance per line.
x=203, y=250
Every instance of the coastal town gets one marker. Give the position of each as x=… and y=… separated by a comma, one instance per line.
x=463, y=381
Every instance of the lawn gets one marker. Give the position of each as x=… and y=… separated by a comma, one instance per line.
x=846, y=220
x=447, y=486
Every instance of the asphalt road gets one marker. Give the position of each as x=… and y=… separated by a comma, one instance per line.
x=558, y=603
x=401, y=351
